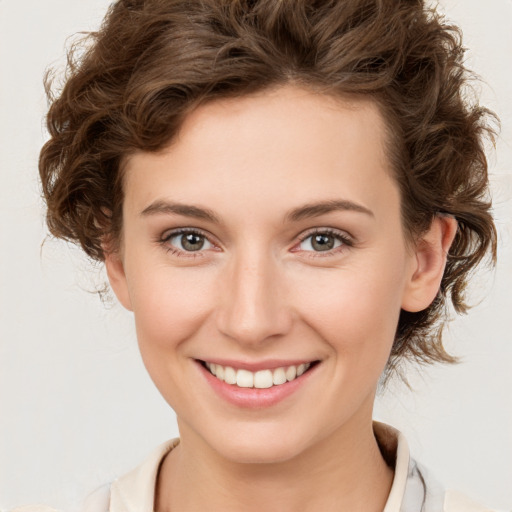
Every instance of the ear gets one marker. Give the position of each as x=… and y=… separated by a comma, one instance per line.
x=428, y=264
x=117, y=277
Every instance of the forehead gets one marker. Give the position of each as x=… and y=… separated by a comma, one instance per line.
x=269, y=149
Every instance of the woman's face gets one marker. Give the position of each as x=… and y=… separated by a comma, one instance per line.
x=268, y=235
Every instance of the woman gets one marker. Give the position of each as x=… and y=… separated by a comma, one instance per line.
x=287, y=195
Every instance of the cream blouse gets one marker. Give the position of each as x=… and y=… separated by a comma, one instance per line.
x=413, y=488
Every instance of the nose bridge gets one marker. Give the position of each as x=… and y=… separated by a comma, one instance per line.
x=252, y=306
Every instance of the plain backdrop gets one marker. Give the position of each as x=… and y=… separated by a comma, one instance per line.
x=77, y=408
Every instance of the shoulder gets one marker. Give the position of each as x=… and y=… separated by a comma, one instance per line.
x=34, y=508
x=437, y=498
x=97, y=501
x=132, y=492
x=455, y=501
x=414, y=487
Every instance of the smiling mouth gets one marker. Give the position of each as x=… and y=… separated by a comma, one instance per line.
x=262, y=379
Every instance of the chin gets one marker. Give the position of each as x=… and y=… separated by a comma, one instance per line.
x=259, y=446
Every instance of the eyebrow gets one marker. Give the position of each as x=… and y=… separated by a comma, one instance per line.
x=309, y=210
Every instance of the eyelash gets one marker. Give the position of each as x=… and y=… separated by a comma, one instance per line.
x=343, y=238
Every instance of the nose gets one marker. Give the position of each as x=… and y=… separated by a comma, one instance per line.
x=252, y=306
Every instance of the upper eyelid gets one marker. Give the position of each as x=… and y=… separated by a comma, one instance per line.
x=169, y=233
x=330, y=231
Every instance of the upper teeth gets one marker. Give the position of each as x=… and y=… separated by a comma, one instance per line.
x=260, y=379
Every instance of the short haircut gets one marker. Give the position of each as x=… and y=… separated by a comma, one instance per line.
x=130, y=85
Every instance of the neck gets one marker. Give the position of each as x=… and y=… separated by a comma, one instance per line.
x=333, y=474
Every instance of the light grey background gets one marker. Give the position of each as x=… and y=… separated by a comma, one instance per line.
x=76, y=405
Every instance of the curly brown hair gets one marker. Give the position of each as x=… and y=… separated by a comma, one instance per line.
x=131, y=84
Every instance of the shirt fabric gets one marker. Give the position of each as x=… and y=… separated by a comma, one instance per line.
x=414, y=489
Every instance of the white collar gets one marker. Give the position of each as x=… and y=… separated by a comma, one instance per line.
x=135, y=491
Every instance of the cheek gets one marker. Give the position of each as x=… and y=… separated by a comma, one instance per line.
x=170, y=305
x=354, y=309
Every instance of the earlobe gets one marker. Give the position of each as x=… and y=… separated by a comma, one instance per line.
x=117, y=278
x=429, y=261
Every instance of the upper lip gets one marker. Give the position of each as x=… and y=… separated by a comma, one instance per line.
x=254, y=366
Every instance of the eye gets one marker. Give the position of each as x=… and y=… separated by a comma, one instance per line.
x=326, y=241
x=190, y=243
x=186, y=242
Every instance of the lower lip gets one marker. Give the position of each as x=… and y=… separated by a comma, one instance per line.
x=255, y=398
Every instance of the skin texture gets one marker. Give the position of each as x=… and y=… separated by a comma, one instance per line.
x=255, y=292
